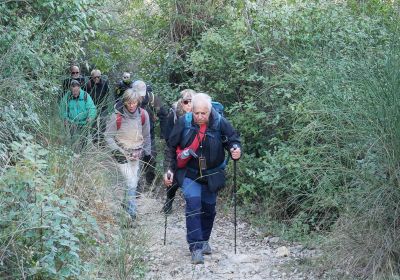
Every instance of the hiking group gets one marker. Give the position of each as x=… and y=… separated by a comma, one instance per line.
x=194, y=129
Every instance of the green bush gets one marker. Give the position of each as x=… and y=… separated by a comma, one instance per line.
x=43, y=230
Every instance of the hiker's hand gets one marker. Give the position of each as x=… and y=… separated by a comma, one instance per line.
x=235, y=153
x=168, y=178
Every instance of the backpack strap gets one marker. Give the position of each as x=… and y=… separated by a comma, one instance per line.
x=119, y=120
x=142, y=118
x=188, y=119
x=142, y=115
x=188, y=127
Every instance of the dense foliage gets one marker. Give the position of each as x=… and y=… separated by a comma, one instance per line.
x=304, y=83
x=47, y=227
x=312, y=86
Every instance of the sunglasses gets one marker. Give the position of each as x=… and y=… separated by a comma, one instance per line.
x=73, y=73
x=125, y=78
x=186, y=102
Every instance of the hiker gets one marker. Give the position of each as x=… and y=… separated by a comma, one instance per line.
x=122, y=86
x=98, y=89
x=178, y=109
x=128, y=136
x=74, y=75
x=157, y=112
x=197, y=155
x=78, y=112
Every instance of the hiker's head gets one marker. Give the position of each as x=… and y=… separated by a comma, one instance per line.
x=126, y=77
x=186, y=99
x=201, y=103
x=75, y=88
x=140, y=87
x=131, y=99
x=95, y=75
x=74, y=71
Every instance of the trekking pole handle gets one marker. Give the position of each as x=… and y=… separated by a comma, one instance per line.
x=169, y=174
x=235, y=146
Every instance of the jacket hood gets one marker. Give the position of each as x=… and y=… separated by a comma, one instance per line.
x=214, y=119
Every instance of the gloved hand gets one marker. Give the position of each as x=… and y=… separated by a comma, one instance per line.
x=119, y=156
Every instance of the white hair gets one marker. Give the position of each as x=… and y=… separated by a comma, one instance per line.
x=95, y=71
x=201, y=99
x=131, y=95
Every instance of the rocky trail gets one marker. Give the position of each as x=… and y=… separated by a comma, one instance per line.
x=257, y=257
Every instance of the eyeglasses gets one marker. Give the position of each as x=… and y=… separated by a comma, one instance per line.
x=96, y=77
x=186, y=102
x=73, y=73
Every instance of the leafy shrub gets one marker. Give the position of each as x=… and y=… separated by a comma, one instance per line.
x=42, y=229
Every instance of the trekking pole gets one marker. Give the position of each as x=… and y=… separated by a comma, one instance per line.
x=234, y=196
x=165, y=228
x=166, y=215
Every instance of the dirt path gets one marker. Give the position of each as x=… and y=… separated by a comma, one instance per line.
x=256, y=258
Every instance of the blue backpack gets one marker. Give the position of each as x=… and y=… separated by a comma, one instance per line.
x=218, y=107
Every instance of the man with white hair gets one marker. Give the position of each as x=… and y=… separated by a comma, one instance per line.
x=128, y=135
x=196, y=158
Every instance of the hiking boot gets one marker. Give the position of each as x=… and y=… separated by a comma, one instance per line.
x=206, y=248
x=167, y=208
x=197, y=257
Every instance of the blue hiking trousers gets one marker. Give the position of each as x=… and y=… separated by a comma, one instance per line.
x=200, y=212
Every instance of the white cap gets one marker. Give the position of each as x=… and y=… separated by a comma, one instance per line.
x=139, y=87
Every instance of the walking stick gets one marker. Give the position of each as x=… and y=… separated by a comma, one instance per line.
x=165, y=228
x=166, y=215
x=234, y=196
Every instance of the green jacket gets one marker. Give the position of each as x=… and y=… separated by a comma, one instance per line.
x=78, y=110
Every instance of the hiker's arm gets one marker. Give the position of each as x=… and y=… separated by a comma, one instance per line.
x=91, y=108
x=146, y=134
x=168, y=126
x=233, y=138
x=111, y=131
x=170, y=151
x=162, y=114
